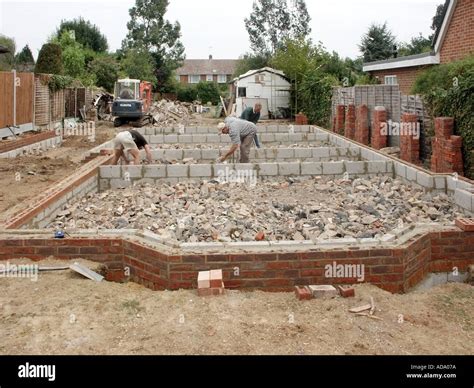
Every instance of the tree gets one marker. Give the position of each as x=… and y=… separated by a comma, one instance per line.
x=50, y=59
x=7, y=60
x=249, y=62
x=24, y=60
x=439, y=18
x=87, y=34
x=73, y=56
x=417, y=45
x=378, y=43
x=273, y=21
x=148, y=31
x=106, y=71
x=138, y=64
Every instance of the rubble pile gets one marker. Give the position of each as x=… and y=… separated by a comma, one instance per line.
x=166, y=113
x=285, y=209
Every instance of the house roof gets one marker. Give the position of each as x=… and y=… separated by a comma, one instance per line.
x=208, y=66
x=431, y=58
x=262, y=70
x=4, y=50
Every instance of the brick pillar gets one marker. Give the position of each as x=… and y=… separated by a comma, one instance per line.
x=410, y=139
x=379, y=137
x=340, y=117
x=362, y=125
x=350, y=125
x=447, y=149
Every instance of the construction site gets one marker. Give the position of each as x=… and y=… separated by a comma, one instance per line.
x=337, y=240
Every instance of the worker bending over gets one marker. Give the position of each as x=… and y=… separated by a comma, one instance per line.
x=127, y=145
x=242, y=134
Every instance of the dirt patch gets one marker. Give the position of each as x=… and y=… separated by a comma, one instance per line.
x=24, y=178
x=63, y=313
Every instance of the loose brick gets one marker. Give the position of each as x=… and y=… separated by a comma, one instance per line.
x=323, y=292
x=216, y=278
x=204, y=279
x=346, y=292
x=303, y=293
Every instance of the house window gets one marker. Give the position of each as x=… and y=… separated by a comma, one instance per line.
x=242, y=92
x=209, y=78
x=194, y=79
x=178, y=78
x=222, y=78
x=391, y=80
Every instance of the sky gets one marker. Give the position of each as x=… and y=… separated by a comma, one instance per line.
x=217, y=26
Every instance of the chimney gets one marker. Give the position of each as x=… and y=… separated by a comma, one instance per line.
x=210, y=57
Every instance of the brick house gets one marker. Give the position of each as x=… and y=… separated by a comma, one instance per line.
x=454, y=41
x=211, y=70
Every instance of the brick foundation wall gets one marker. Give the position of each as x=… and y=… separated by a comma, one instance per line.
x=459, y=40
x=340, y=119
x=26, y=141
x=393, y=269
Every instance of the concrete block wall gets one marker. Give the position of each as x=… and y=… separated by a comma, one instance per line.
x=50, y=212
x=117, y=177
x=262, y=129
x=35, y=148
x=322, y=154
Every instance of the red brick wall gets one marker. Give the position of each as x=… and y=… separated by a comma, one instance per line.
x=406, y=77
x=395, y=270
x=459, y=40
x=25, y=141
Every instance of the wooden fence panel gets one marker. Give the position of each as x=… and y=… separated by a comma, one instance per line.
x=6, y=99
x=25, y=98
x=41, y=102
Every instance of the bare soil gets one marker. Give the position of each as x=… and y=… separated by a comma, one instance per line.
x=65, y=314
x=23, y=178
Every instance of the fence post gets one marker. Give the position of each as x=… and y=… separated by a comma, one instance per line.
x=14, y=97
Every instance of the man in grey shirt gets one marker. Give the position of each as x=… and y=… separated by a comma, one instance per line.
x=241, y=134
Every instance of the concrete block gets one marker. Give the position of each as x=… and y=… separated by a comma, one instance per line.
x=288, y=169
x=268, y=169
x=411, y=174
x=154, y=172
x=109, y=172
x=356, y=168
x=158, y=139
x=177, y=171
x=116, y=184
x=285, y=153
x=295, y=138
x=303, y=153
x=257, y=154
x=333, y=168
x=324, y=292
x=104, y=184
x=376, y=167
x=210, y=154
x=194, y=154
x=319, y=153
x=463, y=199
x=171, y=139
x=200, y=139
x=440, y=183
x=312, y=168
x=200, y=171
x=267, y=138
x=425, y=180
x=400, y=170
x=270, y=153
x=129, y=172
x=185, y=139
x=174, y=154
x=214, y=139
